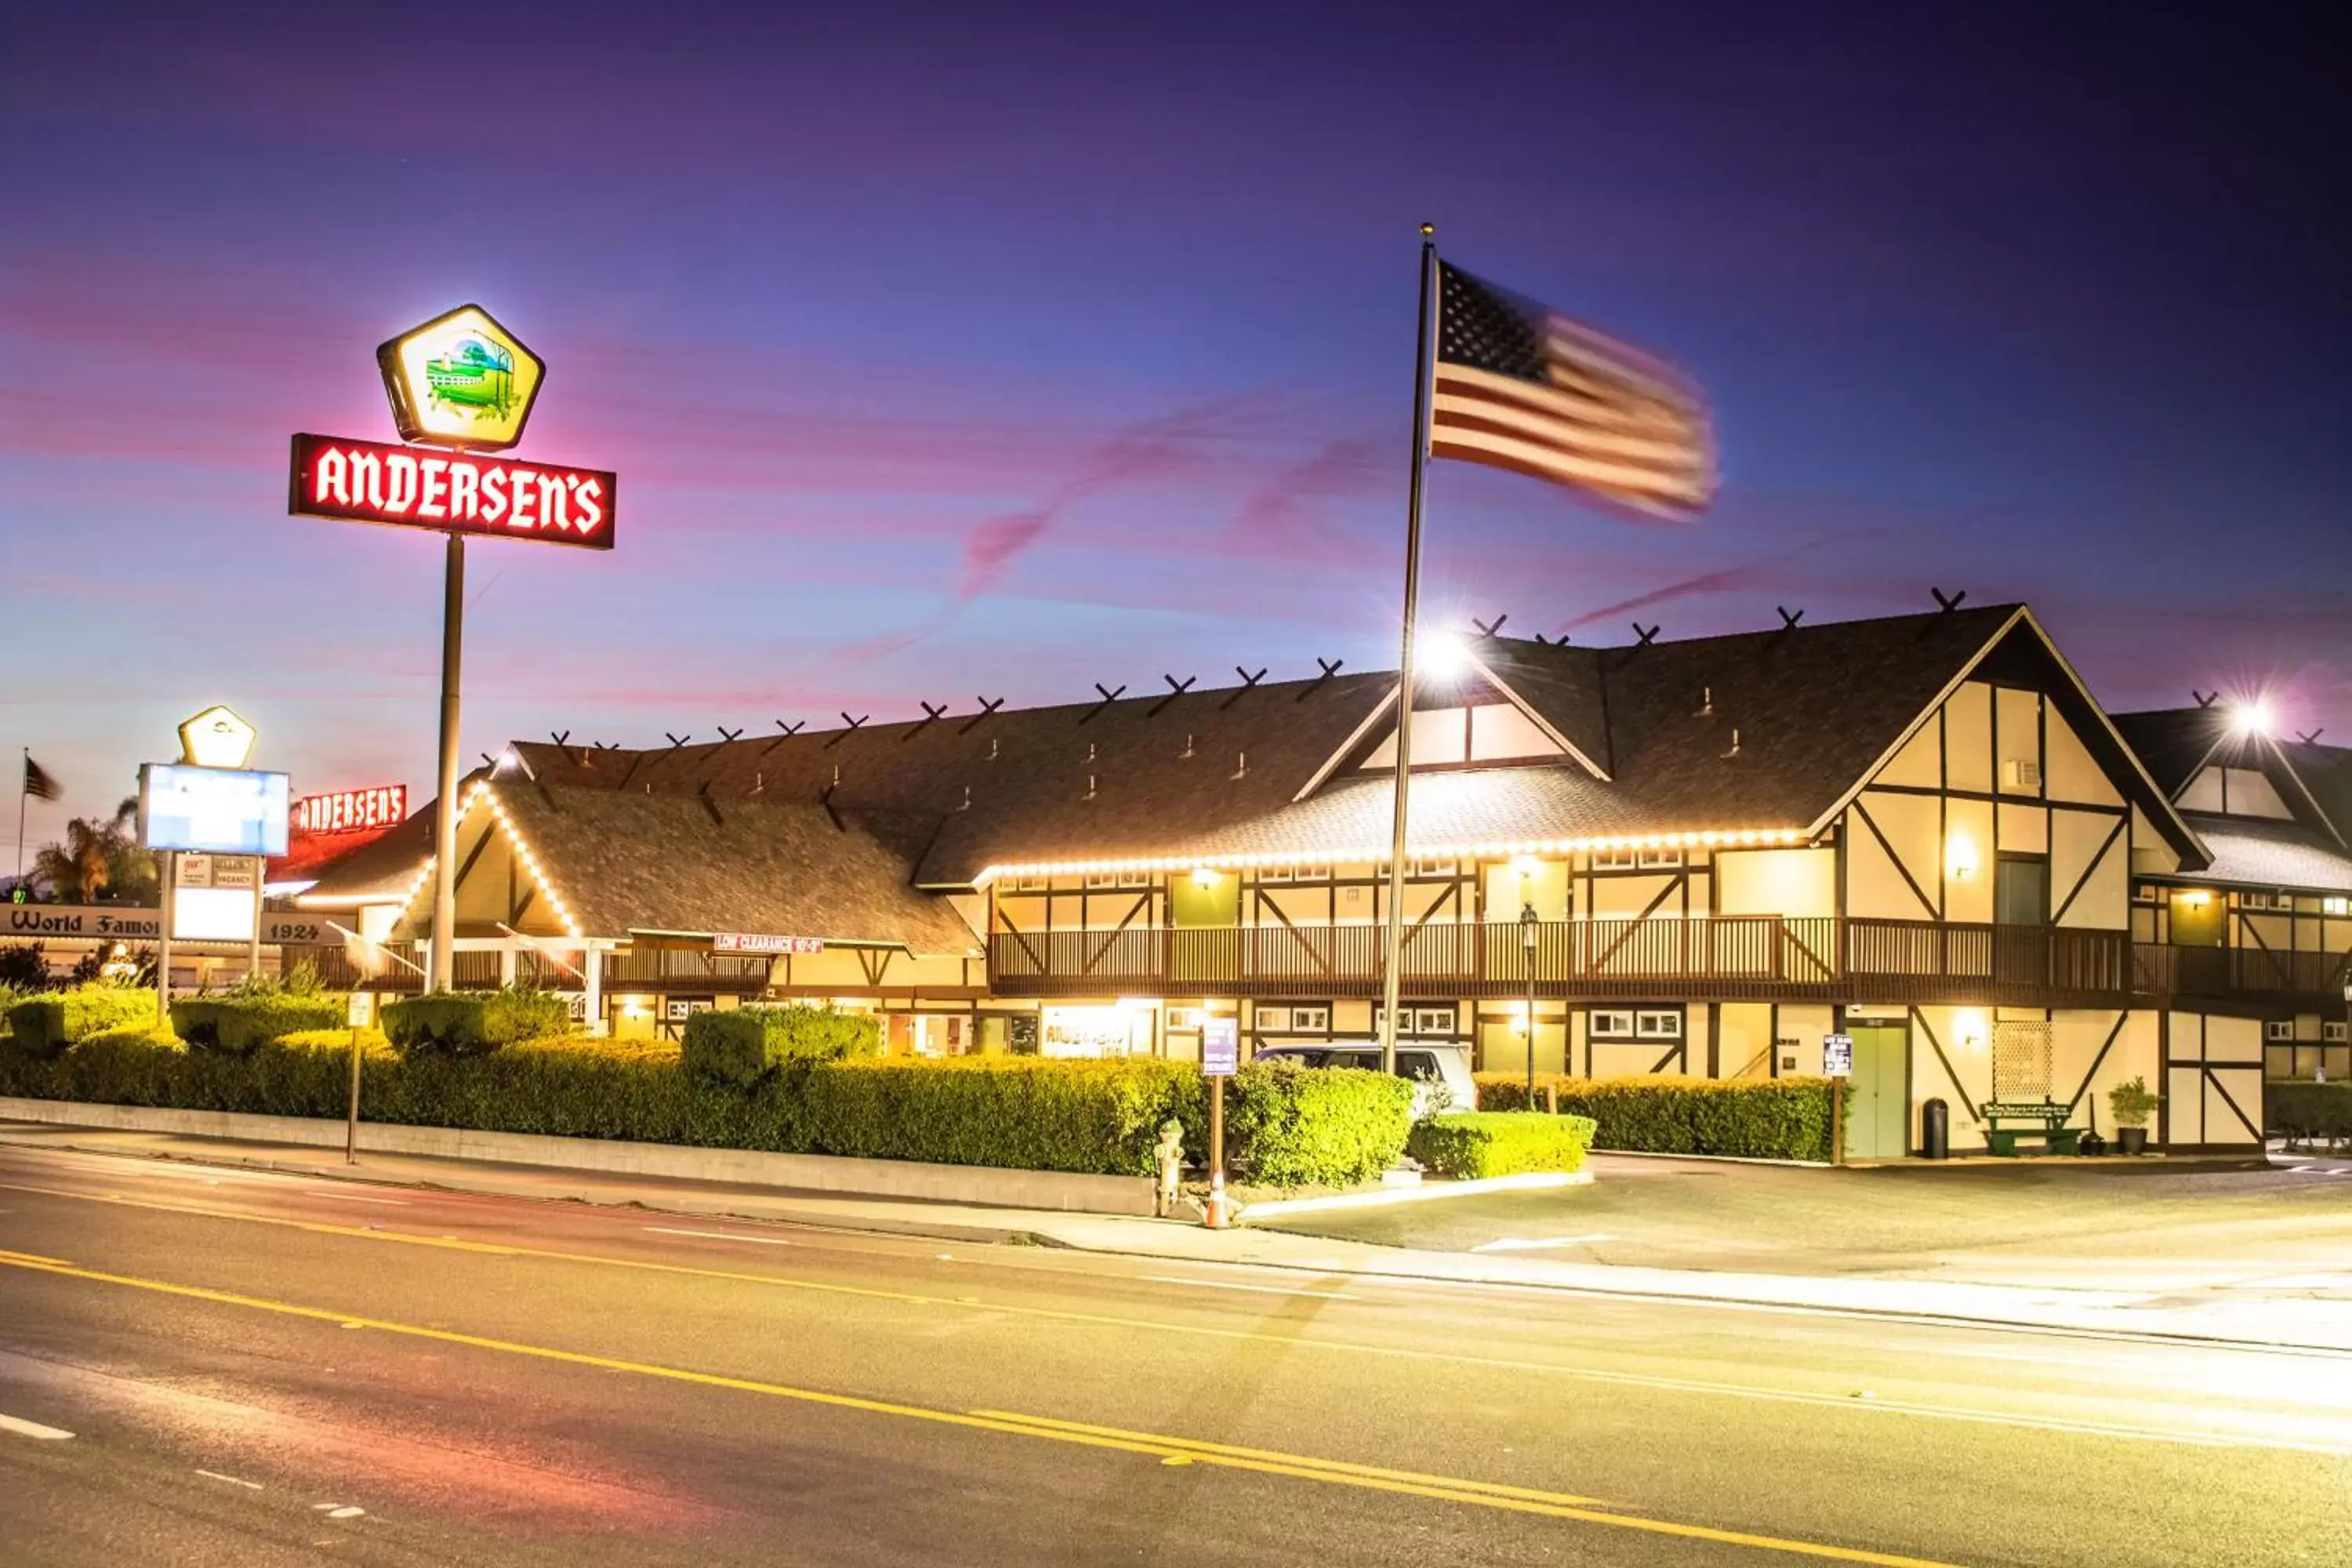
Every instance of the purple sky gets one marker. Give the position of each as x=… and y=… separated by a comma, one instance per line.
x=944, y=354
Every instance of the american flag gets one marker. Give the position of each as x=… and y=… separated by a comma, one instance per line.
x=37, y=782
x=1520, y=386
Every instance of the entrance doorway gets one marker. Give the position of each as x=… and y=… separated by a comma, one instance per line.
x=1878, y=1123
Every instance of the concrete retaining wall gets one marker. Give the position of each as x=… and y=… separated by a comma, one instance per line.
x=802, y=1173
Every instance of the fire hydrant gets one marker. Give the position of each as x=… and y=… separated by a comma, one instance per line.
x=1169, y=1153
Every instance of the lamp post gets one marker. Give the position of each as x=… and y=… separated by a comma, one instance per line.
x=1528, y=923
x=2347, y=1026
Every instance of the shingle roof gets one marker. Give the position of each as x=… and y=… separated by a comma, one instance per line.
x=2173, y=743
x=2272, y=855
x=378, y=870
x=633, y=861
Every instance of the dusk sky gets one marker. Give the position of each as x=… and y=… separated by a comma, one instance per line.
x=960, y=350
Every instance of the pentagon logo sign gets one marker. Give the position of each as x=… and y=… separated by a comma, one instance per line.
x=460, y=380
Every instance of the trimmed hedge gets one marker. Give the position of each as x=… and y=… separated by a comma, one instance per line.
x=1300, y=1126
x=44, y=1026
x=1757, y=1118
x=234, y=1023
x=745, y=1044
x=1474, y=1143
x=2308, y=1112
x=469, y=1023
x=1288, y=1125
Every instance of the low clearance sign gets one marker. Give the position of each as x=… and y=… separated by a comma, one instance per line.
x=369, y=481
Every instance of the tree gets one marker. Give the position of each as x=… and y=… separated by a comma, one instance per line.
x=99, y=856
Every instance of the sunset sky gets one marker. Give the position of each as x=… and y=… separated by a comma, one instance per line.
x=960, y=350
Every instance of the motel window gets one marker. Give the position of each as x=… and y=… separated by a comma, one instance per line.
x=1432, y=867
x=2020, y=890
x=2336, y=904
x=1663, y=1025
x=1098, y=882
x=2262, y=899
x=1311, y=873
x=2334, y=1032
x=1273, y=874
x=1651, y=859
x=1439, y=1021
x=2278, y=1030
x=1310, y=1020
x=1616, y=859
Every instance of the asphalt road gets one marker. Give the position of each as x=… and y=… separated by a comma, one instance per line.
x=200, y=1366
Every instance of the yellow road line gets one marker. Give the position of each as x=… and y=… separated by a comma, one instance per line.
x=1262, y=1461
x=2072, y=1425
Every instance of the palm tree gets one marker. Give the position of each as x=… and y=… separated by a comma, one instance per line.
x=95, y=856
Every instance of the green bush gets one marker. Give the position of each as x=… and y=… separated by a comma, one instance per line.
x=1471, y=1144
x=2308, y=1112
x=238, y=1023
x=469, y=1023
x=1031, y=1113
x=1756, y=1118
x=1288, y=1125
x=1293, y=1126
x=46, y=1025
x=745, y=1044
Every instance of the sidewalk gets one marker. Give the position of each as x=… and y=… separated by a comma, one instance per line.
x=2311, y=1309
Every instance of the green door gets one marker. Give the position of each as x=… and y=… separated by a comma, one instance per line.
x=1878, y=1122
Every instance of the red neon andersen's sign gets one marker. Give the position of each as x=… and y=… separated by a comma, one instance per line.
x=353, y=810
x=369, y=481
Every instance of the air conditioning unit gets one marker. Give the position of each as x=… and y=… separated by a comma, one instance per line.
x=2020, y=772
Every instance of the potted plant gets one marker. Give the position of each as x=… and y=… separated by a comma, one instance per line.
x=2132, y=1105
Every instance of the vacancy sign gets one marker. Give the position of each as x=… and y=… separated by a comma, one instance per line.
x=370, y=481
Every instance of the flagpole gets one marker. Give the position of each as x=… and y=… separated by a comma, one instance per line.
x=24, y=793
x=1393, y=931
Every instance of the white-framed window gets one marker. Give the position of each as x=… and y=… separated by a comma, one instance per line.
x=2334, y=1032
x=1654, y=859
x=1295, y=1018
x=1187, y=1017
x=1441, y=1019
x=2278, y=1031
x=1098, y=882
x=2336, y=904
x=1658, y=1024
x=1663, y=1025
x=1273, y=1020
x=1616, y=859
x=1028, y=884
x=1431, y=867
x=2262, y=898
x=1311, y=873
x=1273, y=874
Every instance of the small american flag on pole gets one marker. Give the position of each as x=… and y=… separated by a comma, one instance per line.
x=1520, y=386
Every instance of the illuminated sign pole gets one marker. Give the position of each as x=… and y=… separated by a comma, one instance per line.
x=460, y=385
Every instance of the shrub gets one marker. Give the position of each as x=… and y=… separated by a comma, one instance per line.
x=468, y=1023
x=24, y=966
x=1474, y=1143
x=1033, y=1113
x=2131, y=1102
x=744, y=1044
x=237, y=1022
x=1757, y=1118
x=1295, y=1126
x=46, y=1025
x=2308, y=1112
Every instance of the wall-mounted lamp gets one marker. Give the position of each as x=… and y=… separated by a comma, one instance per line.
x=1204, y=877
x=1970, y=1029
x=1960, y=856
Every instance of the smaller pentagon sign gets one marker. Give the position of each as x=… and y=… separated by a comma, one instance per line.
x=460, y=380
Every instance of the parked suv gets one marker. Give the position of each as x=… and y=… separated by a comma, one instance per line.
x=1427, y=1063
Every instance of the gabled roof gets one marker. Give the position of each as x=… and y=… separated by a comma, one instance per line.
x=2178, y=744
x=381, y=870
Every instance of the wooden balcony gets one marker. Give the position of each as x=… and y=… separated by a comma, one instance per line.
x=2304, y=982
x=666, y=970
x=1759, y=958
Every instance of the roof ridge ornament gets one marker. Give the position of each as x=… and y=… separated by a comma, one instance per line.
x=1489, y=632
x=987, y=707
x=1330, y=669
x=1647, y=635
x=1249, y=683
x=1948, y=602
x=730, y=735
x=1109, y=697
x=1787, y=619
x=2206, y=699
x=841, y=735
x=1176, y=688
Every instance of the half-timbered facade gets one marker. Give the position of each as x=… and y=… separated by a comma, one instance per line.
x=1696, y=856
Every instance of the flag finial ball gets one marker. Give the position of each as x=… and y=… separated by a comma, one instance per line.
x=1427, y=229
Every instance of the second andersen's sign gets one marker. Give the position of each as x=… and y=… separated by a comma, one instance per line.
x=370, y=481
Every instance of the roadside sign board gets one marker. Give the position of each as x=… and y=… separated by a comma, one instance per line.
x=359, y=1010
x=224, y=811
x=1837, y=1055
x=752, y=942
x=1221, y=1047
x=368, y=482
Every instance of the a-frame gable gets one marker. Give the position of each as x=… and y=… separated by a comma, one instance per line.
x=1375, y=738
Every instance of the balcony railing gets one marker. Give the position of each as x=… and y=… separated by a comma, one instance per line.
x=1732, y=958
x=671, y=969
x=2314, y=979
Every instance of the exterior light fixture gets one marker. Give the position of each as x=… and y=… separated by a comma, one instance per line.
x=1204, y=877
x=2252, y=719
x=1960, y=856
x=1444, y=657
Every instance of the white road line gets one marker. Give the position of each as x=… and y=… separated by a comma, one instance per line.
x=32, y=1429
x=720, y=1235
x=356, y=1198
x=1524, y=1244
x=232, y=1480
x=1253, y=1290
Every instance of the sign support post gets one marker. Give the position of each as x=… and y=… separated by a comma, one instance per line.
x=1837, y=1066
x=1220, y=1052
x=445, y=824
x=163, y=941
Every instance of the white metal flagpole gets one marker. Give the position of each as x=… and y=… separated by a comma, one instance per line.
x=1392, y=930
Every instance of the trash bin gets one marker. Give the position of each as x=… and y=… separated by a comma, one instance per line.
x=1935, y=1130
